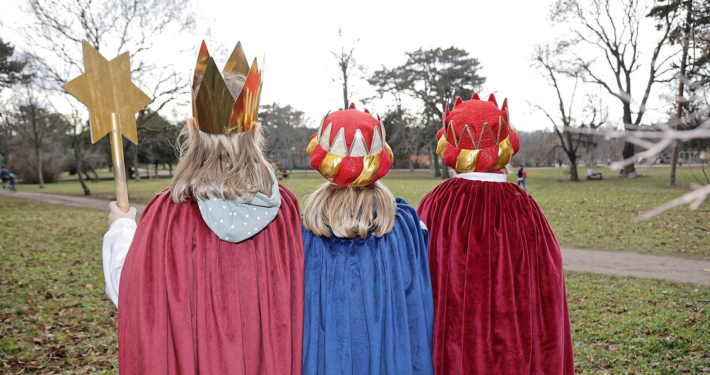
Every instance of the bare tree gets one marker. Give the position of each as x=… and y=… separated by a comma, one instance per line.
x=614, y=27
x=681, y=85
x=58, y=28
x=552, y=69
x=404, y=134
x=79, y=128
x=654, y=141
x=33, y=123
x=346, y=65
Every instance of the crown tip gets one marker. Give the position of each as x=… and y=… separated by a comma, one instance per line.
x=475, y=97
x=492, y=98
x=352, y=106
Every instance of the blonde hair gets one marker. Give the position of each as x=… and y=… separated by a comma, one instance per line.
x=349, y=211
x=228, y=166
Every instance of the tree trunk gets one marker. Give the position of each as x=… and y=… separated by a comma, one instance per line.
x=573, y=173
x=435, y=162
x=410, y=163
x=345, y=87
x=170, y=167
x=78, y=168
x=629, y=149
x=137, y=174
x=444, y=170
x=156, y=172
x=681, y=86
x=40, y=178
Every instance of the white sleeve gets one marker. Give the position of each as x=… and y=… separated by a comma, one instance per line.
x=117, y=241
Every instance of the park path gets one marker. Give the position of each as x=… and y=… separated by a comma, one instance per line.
x=597, y=261
x=67, y=200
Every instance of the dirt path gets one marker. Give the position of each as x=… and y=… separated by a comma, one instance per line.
x=638, y=265
x=67, y=200
x=604, y=262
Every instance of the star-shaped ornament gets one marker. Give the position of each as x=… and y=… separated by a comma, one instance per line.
x=106, y=88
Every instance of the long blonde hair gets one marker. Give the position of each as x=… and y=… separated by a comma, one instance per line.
x=228, y=166
x=348, y=211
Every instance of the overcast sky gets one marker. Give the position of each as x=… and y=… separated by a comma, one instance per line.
x=296, y=38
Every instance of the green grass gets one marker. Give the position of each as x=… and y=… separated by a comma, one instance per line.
x=55, y=316
x=623, y=325
x=587, y=214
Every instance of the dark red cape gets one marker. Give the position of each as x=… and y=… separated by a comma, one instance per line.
x=499, y=290
x=192, y=304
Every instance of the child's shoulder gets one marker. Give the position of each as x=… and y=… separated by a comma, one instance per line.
x=405, y=211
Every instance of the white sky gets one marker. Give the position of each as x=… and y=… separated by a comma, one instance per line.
x=296, y=38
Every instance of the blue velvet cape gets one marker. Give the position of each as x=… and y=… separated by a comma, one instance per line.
x=368, y=306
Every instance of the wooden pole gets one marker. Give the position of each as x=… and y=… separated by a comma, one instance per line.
x=119, y=171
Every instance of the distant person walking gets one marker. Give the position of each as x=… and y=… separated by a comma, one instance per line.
x=522, y=176
x=5, y=176
x=13, y=184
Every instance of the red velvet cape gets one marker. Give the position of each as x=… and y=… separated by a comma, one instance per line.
x=499, y=290
x=192, y=304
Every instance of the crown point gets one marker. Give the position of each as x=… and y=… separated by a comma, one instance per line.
x=339, y=146
x=492, y=98
x=475, y=97
x=366, y=111
x=505, y=105
x=458, y=101
x=358, y=147
x=325, y=137
x=376, y=145
x=447, y=111
x=352, y=106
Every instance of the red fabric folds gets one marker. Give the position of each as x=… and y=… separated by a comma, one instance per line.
x=499, y=290
x=192, y=304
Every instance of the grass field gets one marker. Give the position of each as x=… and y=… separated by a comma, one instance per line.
x=56, y=318
x=588, y=214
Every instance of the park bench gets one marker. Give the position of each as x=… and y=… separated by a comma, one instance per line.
x=595, y=176
x=281, y=175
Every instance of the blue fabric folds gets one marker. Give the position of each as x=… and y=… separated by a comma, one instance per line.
x=368, y=306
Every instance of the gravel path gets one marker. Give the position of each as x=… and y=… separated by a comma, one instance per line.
x=604, y=262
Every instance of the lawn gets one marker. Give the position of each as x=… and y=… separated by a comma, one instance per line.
x=56, y=318
x=587, y=214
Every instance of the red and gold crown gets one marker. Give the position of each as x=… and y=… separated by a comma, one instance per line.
x=214, y=107
x=477, y=136
x=348, y=148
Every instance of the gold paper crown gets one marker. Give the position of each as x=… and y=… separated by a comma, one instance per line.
x=213, y=105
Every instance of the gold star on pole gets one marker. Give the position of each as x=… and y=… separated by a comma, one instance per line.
x=113, y=101
x=106, y=88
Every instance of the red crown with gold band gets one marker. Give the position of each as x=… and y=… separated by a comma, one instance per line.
x=217, y=106
x=349, y=148
x=477, y=136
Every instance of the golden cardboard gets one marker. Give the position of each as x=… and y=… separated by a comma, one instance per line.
x=210, y=97
x=370, y=167
x=106, y=88
x=312, y=146
x=505, y=153
x=330, y=166
x=467, y=161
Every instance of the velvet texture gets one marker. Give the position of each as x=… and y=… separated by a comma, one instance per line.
x=192, y=304
x=368, y=303
x=498, y=283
